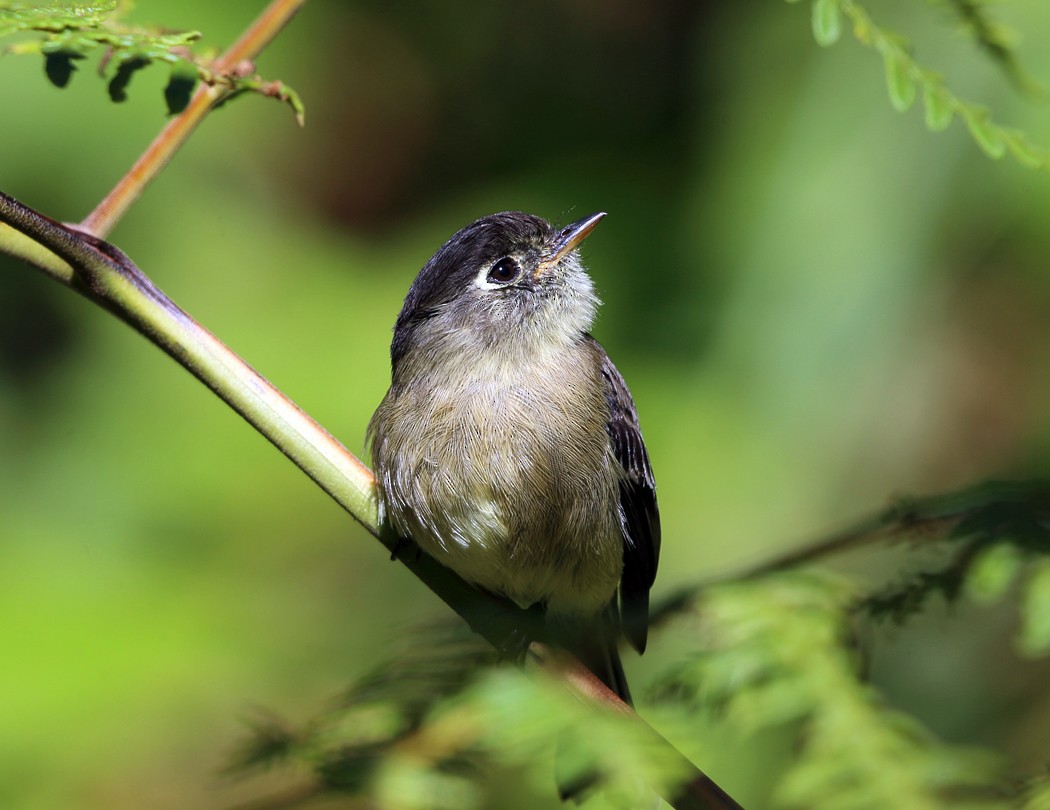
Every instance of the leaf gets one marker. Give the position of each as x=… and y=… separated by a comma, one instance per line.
x=125, y=70
x=904, y=74
x=57, y=17
x=938, y=104
x=59, y=66
x=899, y=79
x=69, y=31
x=179, y=90
x=827, y=24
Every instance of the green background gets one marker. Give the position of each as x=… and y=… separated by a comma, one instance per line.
x=818, y=306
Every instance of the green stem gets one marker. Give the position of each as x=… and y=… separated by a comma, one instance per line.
x=17, y=244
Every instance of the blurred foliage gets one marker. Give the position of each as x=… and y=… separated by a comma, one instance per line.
x=766, y=652
x=438, y=725
x=782, y=650
x=816, y=308
x=71, y=31
x=905, y=76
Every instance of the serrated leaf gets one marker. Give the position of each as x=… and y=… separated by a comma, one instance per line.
x=899, y=80
x=988, y=136
x=827, y=22
x=1034, y=639
x=938, y=104
x=992, y=572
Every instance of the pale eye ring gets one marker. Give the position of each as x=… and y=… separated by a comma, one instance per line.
x=505, y=271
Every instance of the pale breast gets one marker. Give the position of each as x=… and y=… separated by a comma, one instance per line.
x=507, y=477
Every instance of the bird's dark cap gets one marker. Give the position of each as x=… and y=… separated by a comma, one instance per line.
x=456, y=262
x=454, y=266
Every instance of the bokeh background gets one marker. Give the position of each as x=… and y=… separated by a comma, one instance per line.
x=818, y=305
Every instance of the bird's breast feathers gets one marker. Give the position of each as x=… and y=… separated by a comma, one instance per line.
x=508, y=479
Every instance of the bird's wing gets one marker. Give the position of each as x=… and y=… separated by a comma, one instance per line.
x=639, y=515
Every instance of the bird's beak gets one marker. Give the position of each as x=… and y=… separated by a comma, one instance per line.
x=567, y=241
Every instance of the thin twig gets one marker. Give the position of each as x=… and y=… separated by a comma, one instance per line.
x=107, y=213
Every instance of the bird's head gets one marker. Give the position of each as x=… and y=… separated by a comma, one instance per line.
x=508, y=283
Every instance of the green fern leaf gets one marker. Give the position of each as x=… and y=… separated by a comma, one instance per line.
x=67, y=32
x=899, y=79
x=904, y=76
x=827, y=23
x=57, y=17
x=938, y=105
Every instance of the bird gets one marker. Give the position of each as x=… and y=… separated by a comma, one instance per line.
x=508, y=445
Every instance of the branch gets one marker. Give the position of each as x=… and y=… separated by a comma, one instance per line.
x=108, y=212
x=104, y=275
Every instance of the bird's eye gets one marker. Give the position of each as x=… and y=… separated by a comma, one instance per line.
x=504, y=271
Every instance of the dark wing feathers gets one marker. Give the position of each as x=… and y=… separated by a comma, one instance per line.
x=639, y=514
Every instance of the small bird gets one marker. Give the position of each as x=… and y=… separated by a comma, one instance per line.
x=508, y=446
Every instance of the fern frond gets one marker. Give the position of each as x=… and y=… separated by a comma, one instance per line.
x=906, y=77
x=66, y=33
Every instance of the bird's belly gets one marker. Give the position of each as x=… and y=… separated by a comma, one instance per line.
x=491, y=489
